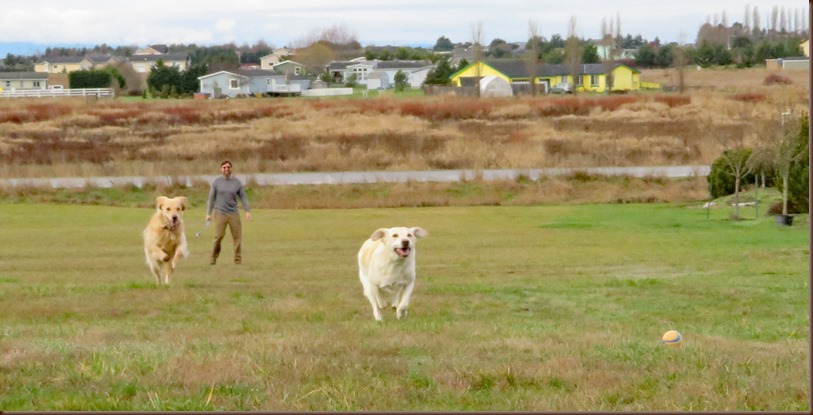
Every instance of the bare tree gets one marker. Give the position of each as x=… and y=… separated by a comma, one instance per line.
x=780, y=147
x=572, y=52
x=532, y=52
x=609, y=37
x=747, y=19
x=479, y=53
x=739, y=160
x=755, y=21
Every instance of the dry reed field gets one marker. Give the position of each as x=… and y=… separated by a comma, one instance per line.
x=61, y=137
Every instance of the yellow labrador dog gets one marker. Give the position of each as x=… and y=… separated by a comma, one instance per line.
x=164, y=238
x=387, y=268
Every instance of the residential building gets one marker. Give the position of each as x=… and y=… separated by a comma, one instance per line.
x=143, y=63
x=415, y=71
x=224, y=84
x=68, y=64
x=275, y=57
x=15, y=81
x=585, y=77
x=289, y=67
x=252, y=81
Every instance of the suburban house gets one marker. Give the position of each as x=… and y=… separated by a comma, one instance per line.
x=15, y=81
x=415, y=71
x=143, y=63
x=588, y=77
x=275, y=57
x=252, y=81
x=224, y=83
x=289, y=67
x=67, y=64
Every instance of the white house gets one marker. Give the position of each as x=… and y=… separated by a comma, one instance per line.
x=224, y=83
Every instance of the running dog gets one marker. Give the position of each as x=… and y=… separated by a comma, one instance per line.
x=387, y=268
x=164, y=238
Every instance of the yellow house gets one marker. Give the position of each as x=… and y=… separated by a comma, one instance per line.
x=806, y=47
x=586, y=77
x=68, y=64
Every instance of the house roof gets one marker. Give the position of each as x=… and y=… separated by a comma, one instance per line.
x=401, y=64
x=257, y=72
x=173, y=57
x=23, y=75
x=286, y=63
x=517, y=68
x=223, y=73
x=63, y=59
x=160, y=48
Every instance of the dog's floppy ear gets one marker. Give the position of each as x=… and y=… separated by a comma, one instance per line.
x=184, y=202
x=419, y=232
x=380, y=233
x=159, y=201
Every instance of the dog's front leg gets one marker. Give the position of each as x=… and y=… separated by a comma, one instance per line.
x=374, y=295
x=401, y=310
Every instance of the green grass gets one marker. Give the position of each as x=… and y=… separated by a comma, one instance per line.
x=556, y=308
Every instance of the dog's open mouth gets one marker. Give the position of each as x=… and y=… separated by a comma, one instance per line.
x=402, y=252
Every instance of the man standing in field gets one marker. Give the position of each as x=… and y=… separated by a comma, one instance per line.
x=223, y=197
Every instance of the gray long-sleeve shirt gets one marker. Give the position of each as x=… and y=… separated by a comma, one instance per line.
x=223, y=195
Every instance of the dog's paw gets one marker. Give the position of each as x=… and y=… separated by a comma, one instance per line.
x=401, y=312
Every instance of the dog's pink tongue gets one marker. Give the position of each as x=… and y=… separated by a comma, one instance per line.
x=402, y=251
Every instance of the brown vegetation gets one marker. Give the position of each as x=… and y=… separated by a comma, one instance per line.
x=82, y=138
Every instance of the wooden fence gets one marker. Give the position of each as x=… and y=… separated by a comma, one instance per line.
x=55, y=93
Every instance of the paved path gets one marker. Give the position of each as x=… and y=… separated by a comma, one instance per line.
x=268, y=179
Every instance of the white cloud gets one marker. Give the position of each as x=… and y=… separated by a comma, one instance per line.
x=373, y=21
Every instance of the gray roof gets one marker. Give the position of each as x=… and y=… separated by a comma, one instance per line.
x=23, y=75
x=63, y=59
x=165, y=57
x=517, y=68
x=402, y=64
x=97, y=59
x=258, y=72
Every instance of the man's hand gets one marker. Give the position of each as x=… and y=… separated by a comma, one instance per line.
x=208, y=218
x=248, y=216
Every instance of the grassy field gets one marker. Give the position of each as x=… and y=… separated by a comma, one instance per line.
x=516, y=308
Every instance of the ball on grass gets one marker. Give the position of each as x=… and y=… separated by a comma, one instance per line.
x=672, y=338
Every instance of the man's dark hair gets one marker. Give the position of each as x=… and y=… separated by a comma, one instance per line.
x=225, y=162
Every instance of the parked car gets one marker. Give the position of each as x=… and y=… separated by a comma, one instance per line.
x=55, y=87
x=562, y=88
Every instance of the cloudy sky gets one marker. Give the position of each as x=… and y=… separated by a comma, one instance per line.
x=379, y=22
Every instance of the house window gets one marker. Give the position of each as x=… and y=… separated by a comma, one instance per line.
x=564, y=78
x=593, y=80
x=268, y=81
x=233, y=84
x=8, y=84
x=37, y=84
x=580, y=80
x=297, y=70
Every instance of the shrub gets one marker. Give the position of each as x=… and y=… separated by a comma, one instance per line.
x=775, y=78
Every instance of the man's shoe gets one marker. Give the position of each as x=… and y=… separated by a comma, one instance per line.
x=212, y=261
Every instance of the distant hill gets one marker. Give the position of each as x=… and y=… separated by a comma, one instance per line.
x=29, y=48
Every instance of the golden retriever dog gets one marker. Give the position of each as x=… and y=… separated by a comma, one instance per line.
x=387, y=268
x=164, y=238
